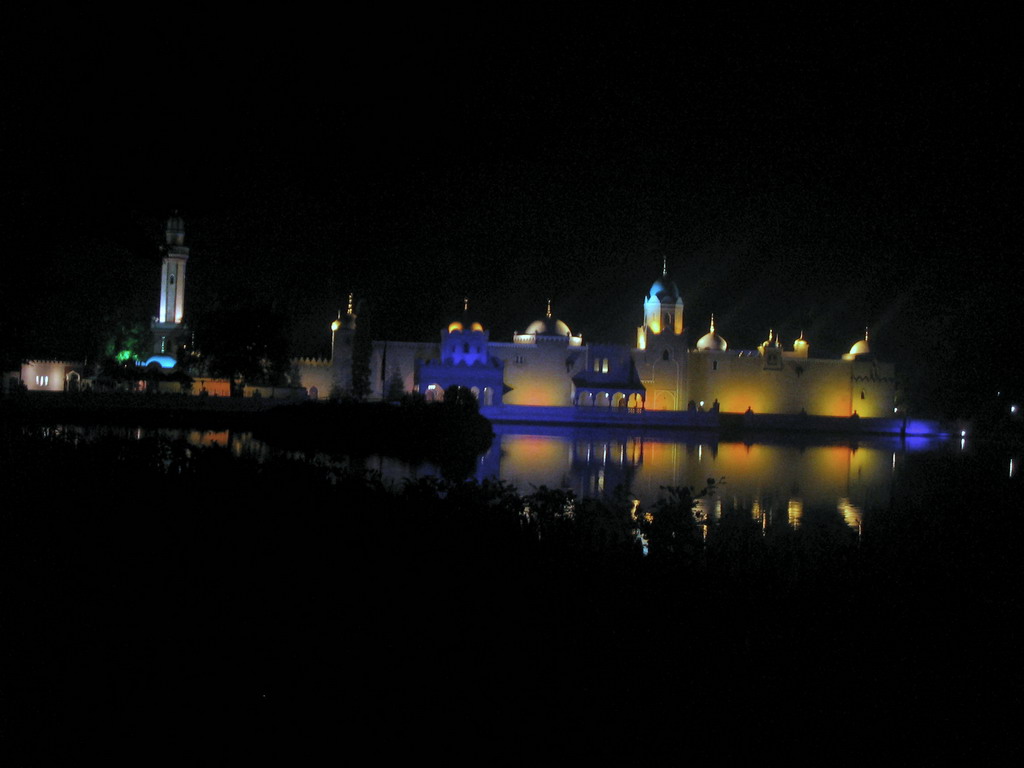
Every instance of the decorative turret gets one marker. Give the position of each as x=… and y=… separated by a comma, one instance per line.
x=800, y=347
x=548, y=327
x=343, y=328
x=771, y=342
x=859, y=349
x=467, y=321
x=175, y=230
x=348, y=320
x=465, y=340
x=711, y=341
x=663, y=310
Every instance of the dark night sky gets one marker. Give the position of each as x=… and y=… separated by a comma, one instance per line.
x=798, y=172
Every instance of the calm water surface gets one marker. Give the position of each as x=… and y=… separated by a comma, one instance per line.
x=777, y=478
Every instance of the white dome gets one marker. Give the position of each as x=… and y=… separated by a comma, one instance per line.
x=548, y=326
x=711, y=341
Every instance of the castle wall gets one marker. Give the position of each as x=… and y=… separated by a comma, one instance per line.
x=663, y=366
x=539, y=373
x=742, y=380
x=873, y=388
x=394, y=362
x=315, y=376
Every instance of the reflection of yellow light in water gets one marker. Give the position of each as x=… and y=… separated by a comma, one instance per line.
x=534, y=460
x=795, y=510
x=208, y=438
x=756, y=511
x=852, y=515
x=600, y=480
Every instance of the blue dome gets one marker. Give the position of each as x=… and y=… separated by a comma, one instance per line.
x=664, y=288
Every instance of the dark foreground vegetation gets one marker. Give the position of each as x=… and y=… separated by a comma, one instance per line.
x=158, y=598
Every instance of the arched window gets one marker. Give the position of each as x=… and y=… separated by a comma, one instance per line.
x=664, y=355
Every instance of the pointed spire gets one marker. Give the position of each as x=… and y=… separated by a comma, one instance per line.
x=712, y=322
x=350, y=304
x=465, y=303
x=865, y=333
x=664, y=266
x=549, y=307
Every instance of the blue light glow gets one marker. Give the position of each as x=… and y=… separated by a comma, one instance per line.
x=164, y=361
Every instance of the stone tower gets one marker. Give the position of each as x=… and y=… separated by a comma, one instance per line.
x=169, y=325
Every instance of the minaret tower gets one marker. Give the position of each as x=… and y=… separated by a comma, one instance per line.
x=663, y=311
x=343, y=333
x=169, y=324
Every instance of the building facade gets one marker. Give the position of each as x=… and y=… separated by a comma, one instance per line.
x=548, y=366
x=168, y=326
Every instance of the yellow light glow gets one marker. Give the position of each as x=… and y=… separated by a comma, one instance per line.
x=795, y=510
x=455, y=326
x=852, y=514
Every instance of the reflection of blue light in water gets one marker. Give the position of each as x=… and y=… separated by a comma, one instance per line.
x=921, y=427
x=915, y=444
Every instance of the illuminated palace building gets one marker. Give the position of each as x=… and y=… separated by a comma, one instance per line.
x=547, y=373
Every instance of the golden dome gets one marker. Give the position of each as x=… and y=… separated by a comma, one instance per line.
x=711, y=341
x=861, y=347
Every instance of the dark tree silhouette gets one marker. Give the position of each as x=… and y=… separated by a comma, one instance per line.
x=247, y=342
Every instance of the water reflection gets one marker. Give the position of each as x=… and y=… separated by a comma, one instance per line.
x=773, y=481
